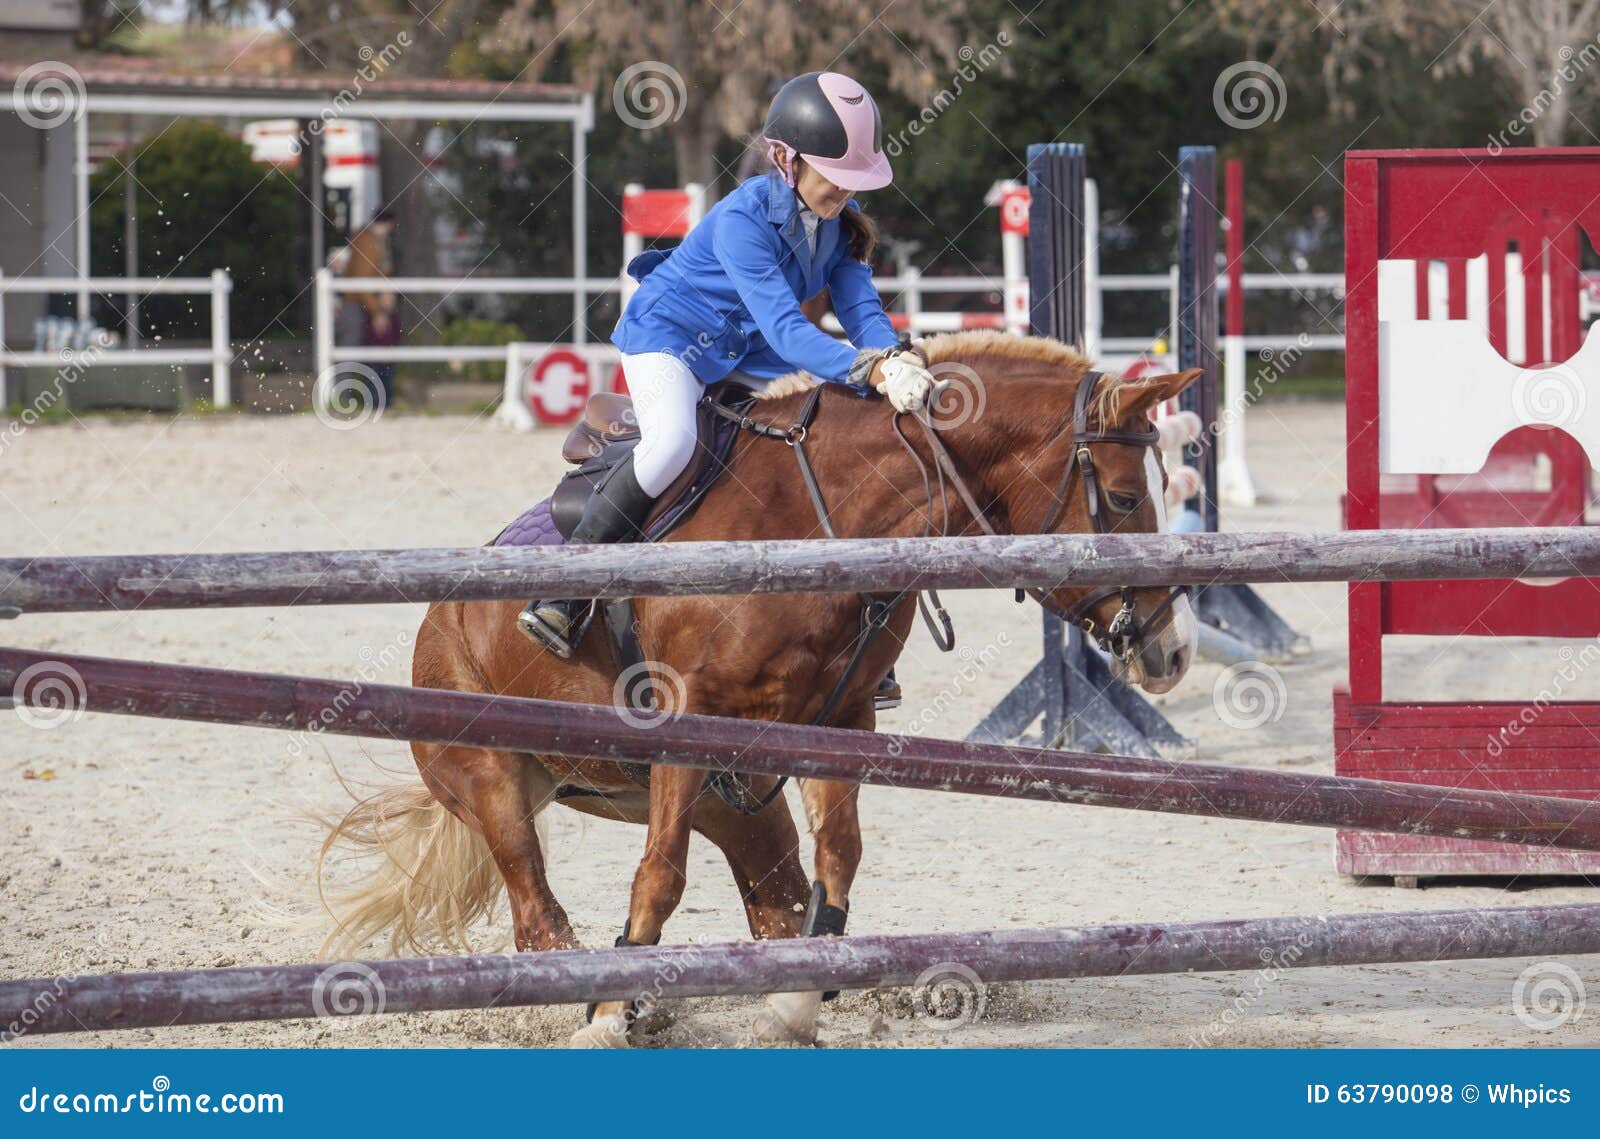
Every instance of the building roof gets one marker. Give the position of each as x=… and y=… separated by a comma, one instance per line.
x=144, y=75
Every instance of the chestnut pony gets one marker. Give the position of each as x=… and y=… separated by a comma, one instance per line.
x=449, y=842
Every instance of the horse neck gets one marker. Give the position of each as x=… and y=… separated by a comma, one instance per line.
x=874, y=488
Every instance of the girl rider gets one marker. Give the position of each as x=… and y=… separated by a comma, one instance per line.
x=727, y=300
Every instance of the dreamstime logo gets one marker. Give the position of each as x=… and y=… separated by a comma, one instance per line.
x=1249, y=94
x=648, y=694
x=649, y=94
x=973, y=665
x=974, y=62
x=1572, y=65
x=1547, y=996
x=374, y=665
x=348, y=395
x=1249, y=694
x=375, y=63
x=36, y=1009
x=1277, y=363
x=1553, y=396
x=949, y=995
x=958, y=395
x=1573, y=665
x=49, y=694
x=74, y=363
x=48, y=94
x=1274, y=960
x=348, y=989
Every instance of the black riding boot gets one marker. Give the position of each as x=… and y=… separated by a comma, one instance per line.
x=615, y=512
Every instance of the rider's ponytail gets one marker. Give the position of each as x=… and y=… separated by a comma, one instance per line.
x=860, y=233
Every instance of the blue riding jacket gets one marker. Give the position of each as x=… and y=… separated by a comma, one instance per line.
x=728, y=297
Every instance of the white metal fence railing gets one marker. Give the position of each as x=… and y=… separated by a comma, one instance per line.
x=219, y=355
x=904, y=294
x=905, y=291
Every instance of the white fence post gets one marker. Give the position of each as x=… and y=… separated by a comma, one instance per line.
x=221, y=344
x=632, y=246
x=322, y=315
x=911, y=297
x=1172, y=317
x=5, y=400
x=513, y=411
x=1236, y=487
x=1094, y=313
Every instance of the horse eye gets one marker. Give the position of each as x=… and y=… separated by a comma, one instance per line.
x=1122, y=503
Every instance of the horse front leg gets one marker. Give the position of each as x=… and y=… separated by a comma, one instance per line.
x=657, y=888
x=836, y=831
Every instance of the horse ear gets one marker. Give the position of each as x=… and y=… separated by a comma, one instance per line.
x=1137, y=397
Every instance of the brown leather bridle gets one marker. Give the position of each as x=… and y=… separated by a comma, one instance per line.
x=1125, y=633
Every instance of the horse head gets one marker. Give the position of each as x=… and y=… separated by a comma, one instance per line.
x=1074, y=451
x=1120, y=488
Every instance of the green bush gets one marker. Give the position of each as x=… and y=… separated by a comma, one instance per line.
x=203, y=204
x=471, y=330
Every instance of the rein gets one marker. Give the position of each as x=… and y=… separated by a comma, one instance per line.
x=876, y=610
x=1125, y=633
x=1121, y=637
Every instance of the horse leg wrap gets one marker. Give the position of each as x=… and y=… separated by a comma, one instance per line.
x=632, y=1012
x=823, y=920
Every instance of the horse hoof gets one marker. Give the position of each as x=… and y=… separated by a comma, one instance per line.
x=603, y=1032
x=789, y=1018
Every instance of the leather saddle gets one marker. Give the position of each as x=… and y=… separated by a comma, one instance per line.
x=604, y=436
x=607, y=433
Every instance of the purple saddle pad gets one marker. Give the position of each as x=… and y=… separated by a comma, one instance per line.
x=533, y=527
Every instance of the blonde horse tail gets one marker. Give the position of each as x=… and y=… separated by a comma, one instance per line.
x=433, y=876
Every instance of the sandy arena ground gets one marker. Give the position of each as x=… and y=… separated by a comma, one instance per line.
x=147, y=848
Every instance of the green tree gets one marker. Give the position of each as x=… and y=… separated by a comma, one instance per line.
x=202, y=204
x=699, y=73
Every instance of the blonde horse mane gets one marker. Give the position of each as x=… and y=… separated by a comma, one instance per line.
x=976, y=345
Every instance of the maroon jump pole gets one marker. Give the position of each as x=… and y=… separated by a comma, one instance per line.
x=282, y=992
x=366, y=577
x=587, y=731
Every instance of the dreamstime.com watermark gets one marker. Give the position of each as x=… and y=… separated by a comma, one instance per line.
x=375, y=64
x=374, y=663
x=959, y=396
x=74, y=363
x=48, y=694
x=158, y=1099
x=37, y=1009
x=649, y=94
x=1549, y=395
x=347, y=395
x=949, y=995
x=649, y=693
x=1574, y=663
x=1574, y=64
x=1548, y=996
x=1249, y=695
x=973, y=663
x=1276, y=363
x=974, y=62
x=48, y=94
x=1249, y=94
x=1274, y=960
x=677, y=960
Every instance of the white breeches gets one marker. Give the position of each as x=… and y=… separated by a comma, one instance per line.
x=665, y=393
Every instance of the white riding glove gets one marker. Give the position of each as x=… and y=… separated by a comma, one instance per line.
x=904, y=382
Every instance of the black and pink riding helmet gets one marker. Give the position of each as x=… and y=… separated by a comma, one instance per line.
x=831, y=121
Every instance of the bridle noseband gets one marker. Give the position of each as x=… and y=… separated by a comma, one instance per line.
x=1126, y=633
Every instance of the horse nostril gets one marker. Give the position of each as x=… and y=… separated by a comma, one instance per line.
x=1176, y=661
